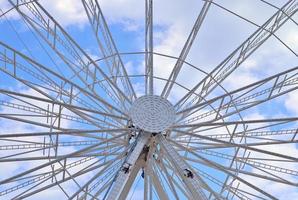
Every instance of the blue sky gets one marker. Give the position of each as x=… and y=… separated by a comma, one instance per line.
x=220, y=34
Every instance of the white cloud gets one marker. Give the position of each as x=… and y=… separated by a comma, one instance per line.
x=291, y=102
x=292, y=39
x=12, y=127
x=66, y=12
x=5, y=7
x=279, y=190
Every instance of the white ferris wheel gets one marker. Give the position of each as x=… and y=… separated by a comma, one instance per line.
x=75, y=125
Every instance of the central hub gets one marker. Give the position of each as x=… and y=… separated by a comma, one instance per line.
x=152, y=113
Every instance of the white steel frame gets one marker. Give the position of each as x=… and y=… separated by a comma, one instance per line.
x=188, y=160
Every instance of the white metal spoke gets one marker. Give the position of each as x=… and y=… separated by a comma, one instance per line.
x=209, y=189
x=157, y=182
x=65, y=179
x=278, y=120
x=246, y=97
x=169, y=179
x=56, y=160
x=230, y=144
x=234, y=60
x=43, y=23
x=186, y=48
x=149, y=47
x=80, y=119
x=43, y=176
x=89, y=187
x=249, y=161
x=223, y=169
x=128, y=167
x=59, y=103
x=13, y=69
x=193, y=185
x=107, y=46
x=277, y=179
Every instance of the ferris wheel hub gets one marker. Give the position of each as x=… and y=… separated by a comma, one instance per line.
x=152, y=113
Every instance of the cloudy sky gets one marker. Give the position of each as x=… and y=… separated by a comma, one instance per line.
x=220, y=34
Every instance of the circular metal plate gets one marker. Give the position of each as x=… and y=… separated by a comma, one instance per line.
x=152, y=113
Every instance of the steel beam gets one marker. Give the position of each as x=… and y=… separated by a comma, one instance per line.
x=186, y=48
x=45, y=25
x=239, y=55
x=245, y=97
x=244, y=146
x=149, y=47
x=107, y=46
x=124, y=175
x=193, y=184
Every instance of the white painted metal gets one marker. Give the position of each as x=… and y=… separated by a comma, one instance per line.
x=193, y=183
x=197, y=146
x=124, y=174
x=152, y=113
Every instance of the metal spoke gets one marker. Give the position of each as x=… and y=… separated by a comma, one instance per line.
x=79, y=119
x=244, y=146
x=194, y=185
x=34, y=179
x=246, y=97
x=186, y=48
x=59, y=103
x=238, y=56
x=57, y=160
x=280, y=120
x=107, y=164
x=219, y=167
x=149, y=47
x=14, y=68
x=107, y=46
x=106, y=168
x=127, y=170
x=44, y=24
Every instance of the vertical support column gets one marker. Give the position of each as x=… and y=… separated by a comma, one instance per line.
x=149, y=47
x=128, y=169
x=191, y=180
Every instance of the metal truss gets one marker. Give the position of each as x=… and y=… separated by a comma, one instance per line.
x=78, y=126
x=186, y=48
x=239, y=55
x=149, y=47
x=107, y=46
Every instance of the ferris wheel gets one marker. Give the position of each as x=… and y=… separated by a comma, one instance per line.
x=81, y=125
